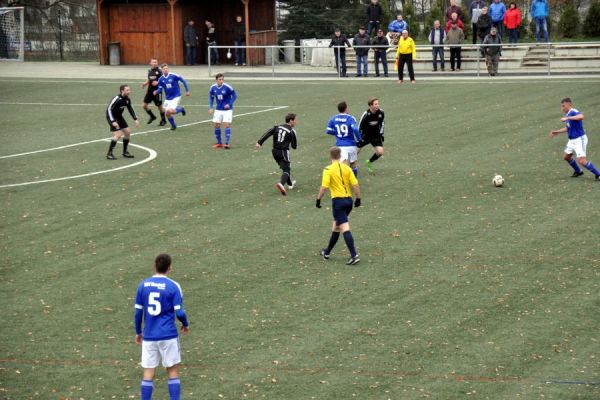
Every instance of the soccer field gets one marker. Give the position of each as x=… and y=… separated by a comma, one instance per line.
x=464, y=290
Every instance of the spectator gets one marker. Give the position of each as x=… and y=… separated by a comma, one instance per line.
x=436, y=38
x=239, y=39
x=454, y=9
x=454, y=18
x=212, y=41
x=512, y=20
x=474, y=12
x=484, y=24
x=340, y=41
x=497, y=10
x=362, y=53
x=454, y=37
x=190, y=38
x=374, y=16
x=407, y=52
x=492, y=53
x=380, y=46
x=539, y=12
x=398, y=25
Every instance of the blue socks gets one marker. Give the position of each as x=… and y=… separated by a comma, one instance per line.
x=218, y=135
x=227, y=135
x=174, y=389
x=332, y=241
x=179, y=109
x=350, y=243
x=574, y=165
x=592, y=169
x=146, y=389
x=172, y=122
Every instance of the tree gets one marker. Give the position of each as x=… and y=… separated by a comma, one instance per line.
x=591, y=26
x=411, y=17
x=569, y=22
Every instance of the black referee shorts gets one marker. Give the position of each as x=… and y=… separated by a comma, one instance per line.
x=375, y=141
x=341, y=208
x=150, y=97
x=122, y=124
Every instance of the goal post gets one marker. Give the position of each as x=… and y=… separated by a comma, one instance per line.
x=12, y=33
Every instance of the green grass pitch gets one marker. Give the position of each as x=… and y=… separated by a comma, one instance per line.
x=464, y=290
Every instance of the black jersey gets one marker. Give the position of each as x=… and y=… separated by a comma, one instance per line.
x=115, y=109
x=284, y=136
x=153, y=75
x=371, y=125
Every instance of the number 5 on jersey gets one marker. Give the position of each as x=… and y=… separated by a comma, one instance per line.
x=154, y=307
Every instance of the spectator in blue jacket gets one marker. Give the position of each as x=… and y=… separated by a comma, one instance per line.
x=398, y=25
x=539, y=12
x=497, y=10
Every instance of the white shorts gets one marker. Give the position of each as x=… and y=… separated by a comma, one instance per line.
x=349, y=153
x=165, y=350
x=220, y=116
x=577, y=146
x=173, y=103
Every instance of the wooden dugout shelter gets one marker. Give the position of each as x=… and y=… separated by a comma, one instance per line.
x=148, y=29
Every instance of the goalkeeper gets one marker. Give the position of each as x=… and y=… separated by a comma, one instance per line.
x=371, y=127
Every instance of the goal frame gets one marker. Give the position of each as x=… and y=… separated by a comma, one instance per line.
x=21, y=51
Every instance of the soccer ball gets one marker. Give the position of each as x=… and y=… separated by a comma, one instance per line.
x=498, y=180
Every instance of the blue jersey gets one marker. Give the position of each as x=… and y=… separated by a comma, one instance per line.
x=170, y=84
x=160, y=299
x=574, y=128
x=345, y=129
x=222, y=95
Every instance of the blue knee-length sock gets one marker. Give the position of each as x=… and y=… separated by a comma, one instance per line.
x=218, y=135
x=592, y=169
x=174, y=389
x=574, y=165
x=350, y=243
x=146, y=389
x=172, y=122
x=179, y=109
x=227, y=135
x=332, y=241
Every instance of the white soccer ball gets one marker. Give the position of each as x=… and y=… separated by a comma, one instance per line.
x=498, y=180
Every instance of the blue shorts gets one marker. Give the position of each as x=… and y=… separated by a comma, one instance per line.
x=342, y=206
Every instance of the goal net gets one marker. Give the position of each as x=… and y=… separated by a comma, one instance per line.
x=12, y=33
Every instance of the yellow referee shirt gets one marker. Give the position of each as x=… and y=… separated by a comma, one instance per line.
x=339, y=178
x=406, y=46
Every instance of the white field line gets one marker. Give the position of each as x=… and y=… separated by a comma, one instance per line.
x=151, y=156
x=6, y=103
x=133, y=134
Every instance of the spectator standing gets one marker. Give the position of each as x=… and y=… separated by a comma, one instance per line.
x=454, y=9
x=339, y=41
x=407, y=52
x=539, y=12
x=212, y=41
x=454, y=37
x=398, y=25
x=484, y=24
x=362, y=53
x=239, y=39
x=512, y=20
x=492, y=53
x=374, y=16
x=380, y=46
x=436, y=38
x=497, y=10
x=190, y=38
x=474, y=12
x=454, y=18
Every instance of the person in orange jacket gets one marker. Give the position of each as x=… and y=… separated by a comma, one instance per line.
x=512, y=21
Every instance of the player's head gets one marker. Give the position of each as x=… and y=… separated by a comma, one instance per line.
x=162, y=263
x=165, y=69
x=335, y=153
x=290, y=119
x=124, y=89
x=220, y=78
x=343, y=107
x=373, y=104
x=153, y=63
x=566, y=104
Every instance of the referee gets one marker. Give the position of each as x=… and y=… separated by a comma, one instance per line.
x=341, y=181
x=371, y=127
x=284, y=136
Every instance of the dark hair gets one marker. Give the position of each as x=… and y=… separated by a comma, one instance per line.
x=335, y=153
x=566, y=100
x=511, y=3
x=122, y=87
x=289, y=117
x=162, y=263
x=219, y=75
x=342, y=107
x=372, y=100
x=164, y=65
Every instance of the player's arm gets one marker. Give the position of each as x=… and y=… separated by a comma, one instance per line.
x=576, y=117
x=362, y=123
x=265, y=136
x=110, y=111
x=356, y=132
x=146, y=83
x=330, y=128
x=558, y=132
x=210, y=102
x=180, y=312
x=159, y=88
x=325, y=183
x=355, y=190
x=232, y=98
x=139, y=315
x=185, y=85
x=382, y=124
x=132, y=112
x=294, y=141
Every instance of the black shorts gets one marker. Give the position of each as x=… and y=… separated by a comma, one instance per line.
x=375, y=141
x=122, y=124
x=282, y=157
x=150, y=97
x=341, y=207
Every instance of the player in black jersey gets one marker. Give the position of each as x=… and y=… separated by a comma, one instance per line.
x=153, y=74
x=118, y=125
x=371, y=130
x=284, y=136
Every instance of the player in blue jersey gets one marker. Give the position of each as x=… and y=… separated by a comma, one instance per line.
x=157, y=303
x=344, y=127
x=223, y=96
x=577, y=143
x=169, y=82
